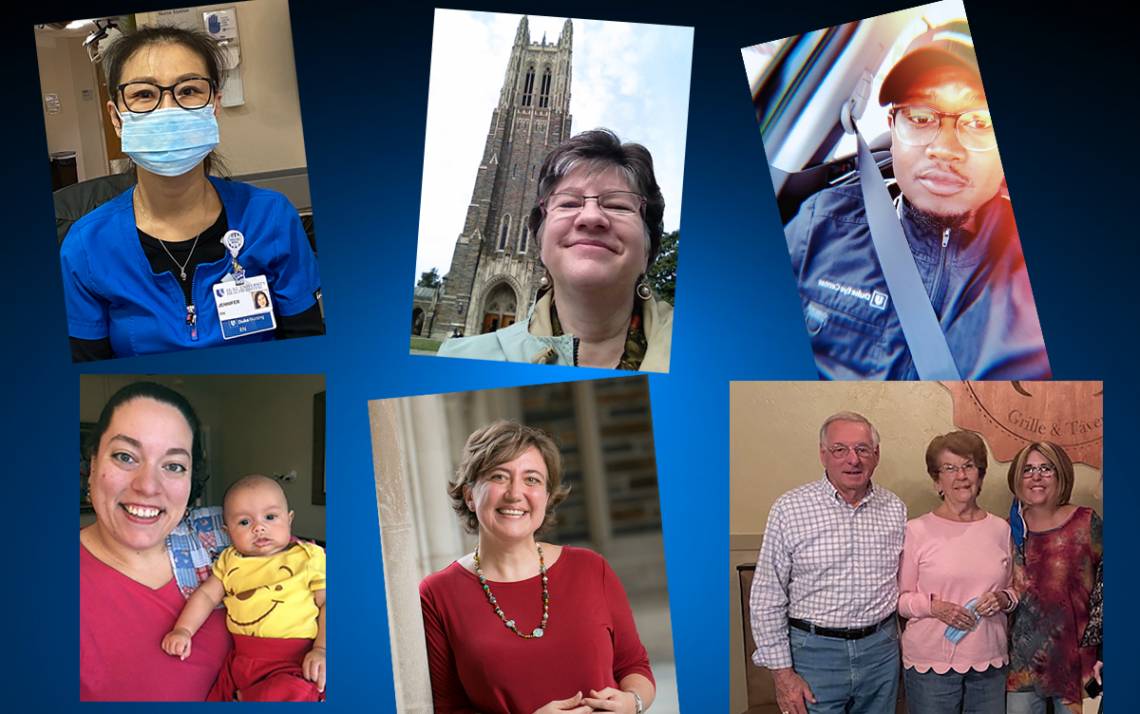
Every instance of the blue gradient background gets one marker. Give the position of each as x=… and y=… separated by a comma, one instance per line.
x=363, y=74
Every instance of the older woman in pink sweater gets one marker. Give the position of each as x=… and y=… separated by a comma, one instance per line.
x=955, y=588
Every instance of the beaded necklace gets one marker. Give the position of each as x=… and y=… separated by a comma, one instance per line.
x=536, y=632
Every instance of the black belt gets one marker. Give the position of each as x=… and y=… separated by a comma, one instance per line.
x=854, y=633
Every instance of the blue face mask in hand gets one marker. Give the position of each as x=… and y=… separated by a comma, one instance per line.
x=953, y=633
x=172, y=141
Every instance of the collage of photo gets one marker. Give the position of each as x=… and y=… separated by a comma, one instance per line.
x=591, y=476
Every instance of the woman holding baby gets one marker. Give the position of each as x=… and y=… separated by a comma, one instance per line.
x=148, y=555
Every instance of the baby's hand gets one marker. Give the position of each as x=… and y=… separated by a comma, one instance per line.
x=314, y=667
x=177, y=643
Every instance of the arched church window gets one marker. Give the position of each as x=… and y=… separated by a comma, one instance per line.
x=523, y=234
x=528, y=87
x=544, y=98
x=504, y=232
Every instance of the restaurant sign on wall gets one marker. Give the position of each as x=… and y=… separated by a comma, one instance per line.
x=1012, y=414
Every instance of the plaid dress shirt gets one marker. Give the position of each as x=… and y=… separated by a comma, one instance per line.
x=827, y=562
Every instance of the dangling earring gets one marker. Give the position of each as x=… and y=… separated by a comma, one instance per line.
x=643, y=290
x=544, y=281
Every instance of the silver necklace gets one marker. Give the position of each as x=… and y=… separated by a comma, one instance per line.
x=181, y=266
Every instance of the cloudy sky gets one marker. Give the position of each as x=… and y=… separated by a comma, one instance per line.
x=631, y=78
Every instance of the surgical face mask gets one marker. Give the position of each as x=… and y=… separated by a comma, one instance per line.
x=172, y=141
x=954, y=634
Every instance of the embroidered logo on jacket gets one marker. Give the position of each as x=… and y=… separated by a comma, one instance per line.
x=875, y=298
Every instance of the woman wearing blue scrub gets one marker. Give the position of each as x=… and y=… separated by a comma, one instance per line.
x=173, y=262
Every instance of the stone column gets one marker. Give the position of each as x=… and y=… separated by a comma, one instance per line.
x=593, y=466
x=419, y=533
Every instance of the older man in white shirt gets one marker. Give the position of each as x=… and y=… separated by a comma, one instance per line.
x=824, y=596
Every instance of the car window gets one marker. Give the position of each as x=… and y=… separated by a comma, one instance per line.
x=874, y=120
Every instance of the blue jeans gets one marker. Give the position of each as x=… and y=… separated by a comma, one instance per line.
x=849, y=676
x=955, y=693
x=1032, y=703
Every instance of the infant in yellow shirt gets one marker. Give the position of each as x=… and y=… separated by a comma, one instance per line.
x=273, y=588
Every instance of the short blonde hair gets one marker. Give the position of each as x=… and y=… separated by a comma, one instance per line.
x=494, y=445
x=1054, y=454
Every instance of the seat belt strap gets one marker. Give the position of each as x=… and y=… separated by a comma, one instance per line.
x=924, y=336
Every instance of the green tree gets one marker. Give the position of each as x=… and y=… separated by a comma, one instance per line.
x=429, y=279
x=663, y=273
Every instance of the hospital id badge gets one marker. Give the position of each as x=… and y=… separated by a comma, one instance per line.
x=244, y=308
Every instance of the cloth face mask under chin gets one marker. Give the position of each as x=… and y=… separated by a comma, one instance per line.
x=172, y=141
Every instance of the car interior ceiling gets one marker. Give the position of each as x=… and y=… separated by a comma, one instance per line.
x=822, y=66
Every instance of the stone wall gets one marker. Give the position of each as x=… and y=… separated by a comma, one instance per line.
x=625, y=424
x=523, y=130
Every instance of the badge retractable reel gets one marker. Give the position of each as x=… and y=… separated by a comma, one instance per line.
x=244, y=303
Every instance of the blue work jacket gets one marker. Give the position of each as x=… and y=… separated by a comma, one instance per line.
x=976, y=282
x=111, y=291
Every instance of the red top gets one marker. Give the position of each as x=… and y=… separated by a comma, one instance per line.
x=121, y=625
x=1060, y=564
x=477, y=664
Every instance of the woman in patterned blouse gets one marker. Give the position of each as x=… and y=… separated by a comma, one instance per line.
x=1060, y=552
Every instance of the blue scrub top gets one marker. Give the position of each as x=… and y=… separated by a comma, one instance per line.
x=111, y=291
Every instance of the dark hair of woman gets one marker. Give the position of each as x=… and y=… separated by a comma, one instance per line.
x=199, y=473
x=120, y=50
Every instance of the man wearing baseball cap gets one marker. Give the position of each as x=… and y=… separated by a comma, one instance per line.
x=958, y=226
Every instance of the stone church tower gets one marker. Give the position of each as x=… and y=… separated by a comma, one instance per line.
x=495, y=268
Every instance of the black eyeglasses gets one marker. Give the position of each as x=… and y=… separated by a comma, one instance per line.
x=1046, y=471
x=920, y=126
x=145, y=97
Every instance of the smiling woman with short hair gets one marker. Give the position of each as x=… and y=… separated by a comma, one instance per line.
x=598, y=221
x=1060, y=550
x=955, y=588
x=521, y=626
